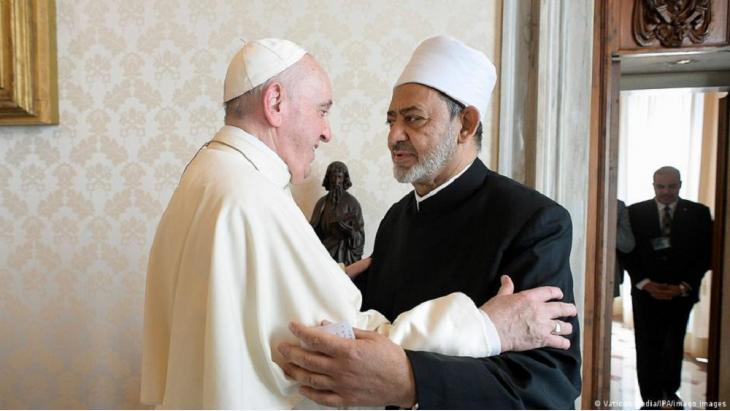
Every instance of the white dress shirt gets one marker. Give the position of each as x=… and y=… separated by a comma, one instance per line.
x=660, y=208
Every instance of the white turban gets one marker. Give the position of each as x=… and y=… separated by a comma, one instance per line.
x=258, y=61
x=453, y=68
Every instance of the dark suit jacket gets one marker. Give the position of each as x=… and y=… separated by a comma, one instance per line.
x=686, y=260
x=481, y=226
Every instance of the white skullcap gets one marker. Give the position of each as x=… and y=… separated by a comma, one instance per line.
x=453, y=68
x=258, y=61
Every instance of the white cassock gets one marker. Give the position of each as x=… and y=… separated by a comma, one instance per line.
x=233, y=261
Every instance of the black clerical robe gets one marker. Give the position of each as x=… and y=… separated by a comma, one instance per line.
x=463, y=238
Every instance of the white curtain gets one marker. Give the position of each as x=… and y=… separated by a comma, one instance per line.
x=659, y=128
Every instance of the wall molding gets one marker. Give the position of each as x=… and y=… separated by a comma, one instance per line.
x=545, y=110
x=671, y=22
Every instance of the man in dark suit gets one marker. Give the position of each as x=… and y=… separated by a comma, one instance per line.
x=461, y=228
x=672, y=254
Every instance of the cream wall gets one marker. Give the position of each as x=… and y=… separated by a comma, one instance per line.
x=140, y=88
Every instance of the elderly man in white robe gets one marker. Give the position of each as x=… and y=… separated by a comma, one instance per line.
x=234, y=259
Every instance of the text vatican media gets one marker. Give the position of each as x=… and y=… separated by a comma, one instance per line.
x=662, y=404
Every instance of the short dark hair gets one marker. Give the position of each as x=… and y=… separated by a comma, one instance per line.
x=668, y=170
x=337, y=165
x=455, y=108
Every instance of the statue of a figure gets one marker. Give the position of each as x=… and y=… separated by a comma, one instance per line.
x=337, y=217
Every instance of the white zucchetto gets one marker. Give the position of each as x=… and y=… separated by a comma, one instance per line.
x=455, y=69
x=258, y=61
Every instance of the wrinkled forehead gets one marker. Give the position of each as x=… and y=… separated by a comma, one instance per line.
x=314, y=77
x=413, y=95
x=322, y=76
x=324, y=79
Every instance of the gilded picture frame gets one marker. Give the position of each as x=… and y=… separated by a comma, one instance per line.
x=28, y=65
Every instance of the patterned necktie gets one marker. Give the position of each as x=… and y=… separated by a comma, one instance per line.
x=667, y=221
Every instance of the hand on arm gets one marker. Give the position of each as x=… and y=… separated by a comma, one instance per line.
x=358, y=267
x=368, y=371
x=374, y=371
x=538, y=256
x=526, y=320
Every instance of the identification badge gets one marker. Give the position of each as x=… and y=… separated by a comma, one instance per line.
x=661, y=243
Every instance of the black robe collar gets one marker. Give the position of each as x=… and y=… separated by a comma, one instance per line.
x=454, y=194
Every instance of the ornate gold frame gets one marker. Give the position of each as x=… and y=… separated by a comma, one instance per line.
x=28, y=69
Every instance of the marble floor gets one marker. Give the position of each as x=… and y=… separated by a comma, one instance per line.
x=624, y=386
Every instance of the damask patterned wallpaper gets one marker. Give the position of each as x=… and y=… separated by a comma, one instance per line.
x=140, y=90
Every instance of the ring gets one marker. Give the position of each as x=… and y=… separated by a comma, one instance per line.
x=556, y=329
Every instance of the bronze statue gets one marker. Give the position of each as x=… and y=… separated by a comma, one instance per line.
x=337, y=217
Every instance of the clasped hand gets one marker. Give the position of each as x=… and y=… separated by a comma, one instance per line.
x=662, y=291
x=373, y=371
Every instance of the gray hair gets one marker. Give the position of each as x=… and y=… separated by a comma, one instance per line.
x=246, y=103
x=455, y=108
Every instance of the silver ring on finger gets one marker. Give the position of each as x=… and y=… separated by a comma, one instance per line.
x=556, y=328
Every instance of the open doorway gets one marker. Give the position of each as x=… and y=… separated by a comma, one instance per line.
x=623, y=61
x=677, y=128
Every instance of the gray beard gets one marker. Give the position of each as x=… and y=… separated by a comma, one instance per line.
x=334, y=194
x=431, y=163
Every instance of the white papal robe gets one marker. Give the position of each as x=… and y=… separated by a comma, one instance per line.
x=233, y=261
